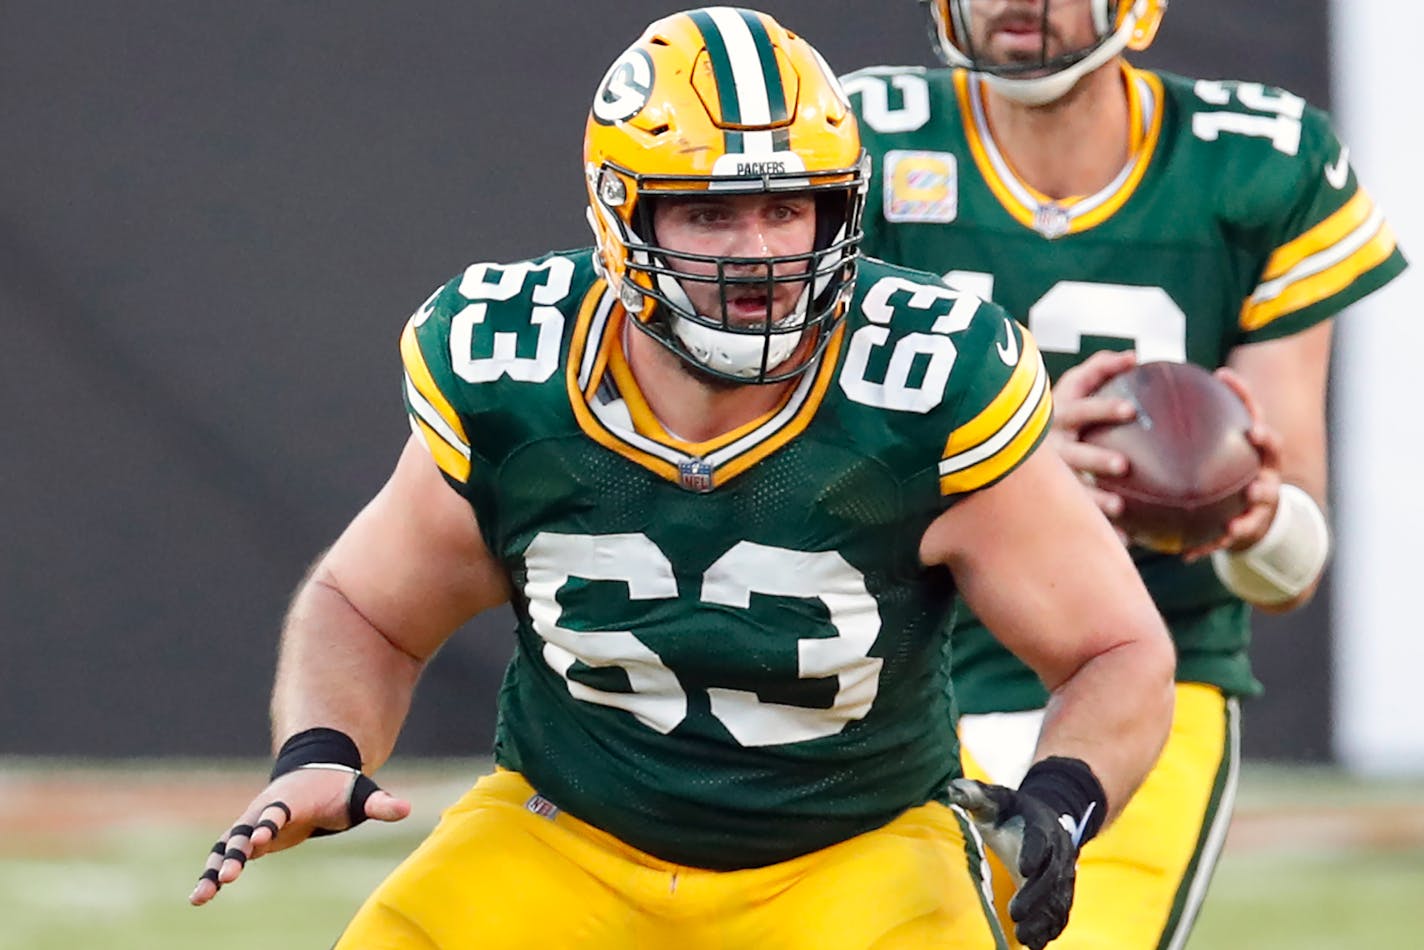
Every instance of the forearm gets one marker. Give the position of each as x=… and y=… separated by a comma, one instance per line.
x=1114, y=713
x=337, y=669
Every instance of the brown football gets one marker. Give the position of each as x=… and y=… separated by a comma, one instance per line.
x=1189, y=460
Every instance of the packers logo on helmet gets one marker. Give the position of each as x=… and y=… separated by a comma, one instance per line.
x=726, y=101
x=625, y=88
x=1118, y=24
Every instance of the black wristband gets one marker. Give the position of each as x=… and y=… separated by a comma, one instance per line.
x=321, y=746
x=1069, y=787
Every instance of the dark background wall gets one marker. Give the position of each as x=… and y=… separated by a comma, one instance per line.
x=214, y=219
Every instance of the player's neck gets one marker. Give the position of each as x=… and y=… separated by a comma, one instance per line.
x=1073, y=146
x=692, y=407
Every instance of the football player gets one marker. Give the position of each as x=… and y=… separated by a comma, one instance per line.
x=1128, y=215
x=731, y=477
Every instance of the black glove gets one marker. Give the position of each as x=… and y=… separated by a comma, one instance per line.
x=1034, y=840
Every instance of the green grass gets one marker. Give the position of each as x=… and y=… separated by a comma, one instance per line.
x=1334, y=875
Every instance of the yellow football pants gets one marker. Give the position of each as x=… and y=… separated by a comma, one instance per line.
x=495, y=874
x=1143, y=879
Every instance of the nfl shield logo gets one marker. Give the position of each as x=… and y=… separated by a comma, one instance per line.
x=695, y=475
x=1051, y=220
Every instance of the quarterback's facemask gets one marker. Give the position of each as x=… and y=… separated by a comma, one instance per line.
x=725, y=101
x=1117, y=24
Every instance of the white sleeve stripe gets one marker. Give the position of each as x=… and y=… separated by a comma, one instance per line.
x=427, y=414
x=1005, y=434
x=1321, y=260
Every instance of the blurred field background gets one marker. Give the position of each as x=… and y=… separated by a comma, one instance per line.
x=105, y=858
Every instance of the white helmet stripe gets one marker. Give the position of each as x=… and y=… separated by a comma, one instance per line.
x=754, y=105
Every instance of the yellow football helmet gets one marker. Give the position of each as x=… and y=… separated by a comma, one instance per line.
x=1120, y=24
x=727, y=101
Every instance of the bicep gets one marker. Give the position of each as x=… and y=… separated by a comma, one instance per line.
x=1288, y=378
x=413, y=562
x=1040, y=565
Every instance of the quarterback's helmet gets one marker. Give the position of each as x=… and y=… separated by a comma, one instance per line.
x=1118, y=24
x=725, y=101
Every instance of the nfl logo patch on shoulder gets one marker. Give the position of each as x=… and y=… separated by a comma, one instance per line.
x=921, y=187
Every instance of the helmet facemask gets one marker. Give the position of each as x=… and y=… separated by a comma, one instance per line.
x=656, y=277
x=1117, y=25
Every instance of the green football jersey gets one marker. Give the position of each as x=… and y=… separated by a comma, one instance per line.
x=1237, y=219
x=728, y=653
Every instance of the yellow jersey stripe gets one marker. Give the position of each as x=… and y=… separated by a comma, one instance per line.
x=1009, y=400
x=424, y=383
x=646, y=423
x=1003, y=461
x=1022, y=201
x=1020, y=212
x=1326, y=283
x=588, y=422
x=763, y=435
x=1325, y=234
x=1022, y=412
x=425, y=412
x=1146, y=145
x=451, y=461
x=830, y=356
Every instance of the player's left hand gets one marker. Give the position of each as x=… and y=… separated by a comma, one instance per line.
x=1263, y=494
x=1027, y=836
x=304, y=803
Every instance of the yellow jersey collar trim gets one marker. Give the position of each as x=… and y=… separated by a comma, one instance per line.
x=1050, y=217
x=631, y=430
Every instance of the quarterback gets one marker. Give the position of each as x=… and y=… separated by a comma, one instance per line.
x=731, y=478
x=1128, y=215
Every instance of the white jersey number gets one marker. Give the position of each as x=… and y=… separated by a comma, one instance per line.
x=493, y=282
x=875, y=110
x=1147, y=317
x=933, y=351
x=657, y=698
x=1279, y=118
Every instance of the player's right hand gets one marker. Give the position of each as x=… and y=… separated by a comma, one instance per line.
x=1077, y=406
x=295, y=806
x=1034, y=845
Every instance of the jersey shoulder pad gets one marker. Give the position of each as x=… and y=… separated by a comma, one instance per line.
x=493, y=326
x=958, y=362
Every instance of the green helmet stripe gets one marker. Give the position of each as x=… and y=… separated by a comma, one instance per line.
x=748, y=77
x=771, y=75
x=722, y=73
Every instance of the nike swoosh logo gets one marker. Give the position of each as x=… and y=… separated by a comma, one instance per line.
x=1075, y=829
x=1009, y=354
x=1339, y=173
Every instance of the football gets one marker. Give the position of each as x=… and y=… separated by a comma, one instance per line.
x=1189, y=460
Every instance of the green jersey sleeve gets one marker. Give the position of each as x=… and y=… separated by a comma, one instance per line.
x=1323, y=241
